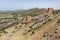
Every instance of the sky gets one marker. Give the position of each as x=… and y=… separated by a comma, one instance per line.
x=27, y=4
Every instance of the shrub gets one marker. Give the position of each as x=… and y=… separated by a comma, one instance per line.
x=0, y=35
x=29, y=30
x=49, y=19
x=58, y=21
x=24, y=33
x=44, y=23
x=32, y=32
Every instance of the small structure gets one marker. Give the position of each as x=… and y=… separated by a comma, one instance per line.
x=28, y=18
x=50, y=10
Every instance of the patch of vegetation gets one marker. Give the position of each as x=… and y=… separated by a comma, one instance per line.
x=58, y=21
x=24, y=33
x=49, y=19
x=5, y=32
x=29, y=30
x=0, y=35
x=16, y=27
x=1, y=31
x=32, y=32
x=44, y=23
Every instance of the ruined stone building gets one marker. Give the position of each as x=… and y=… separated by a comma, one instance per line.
x=50, y=10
